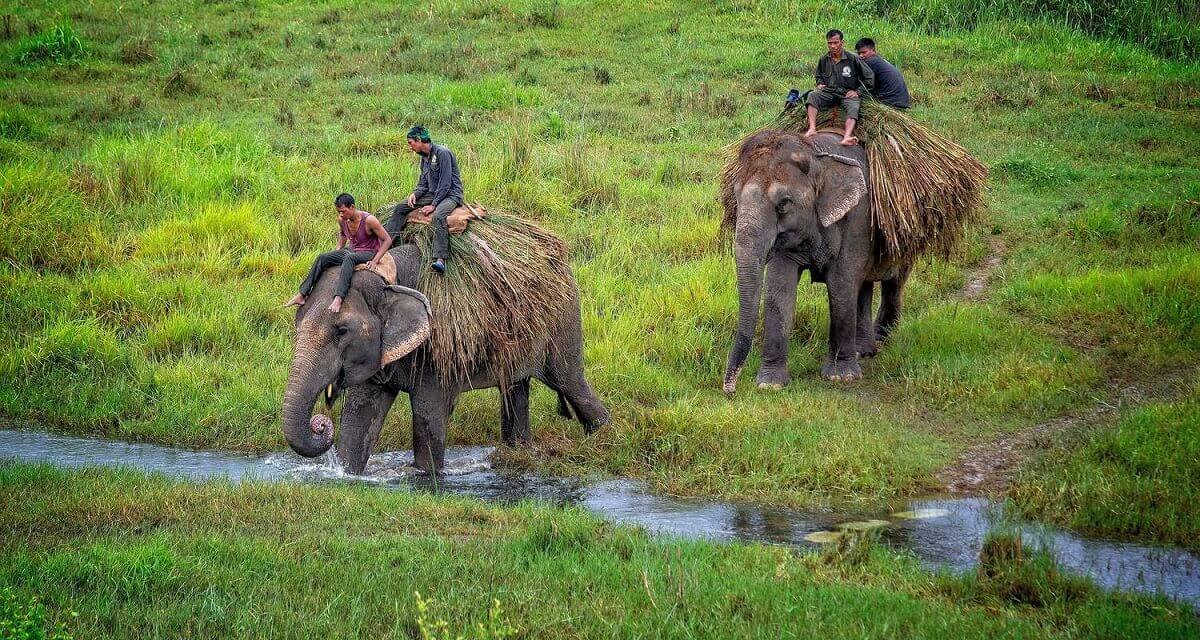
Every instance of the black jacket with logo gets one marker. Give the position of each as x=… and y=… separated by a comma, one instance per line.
x=849, y=73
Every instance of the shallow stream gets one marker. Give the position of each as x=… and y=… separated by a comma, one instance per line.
x=942, y=533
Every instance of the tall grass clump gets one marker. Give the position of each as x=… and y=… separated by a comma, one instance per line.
x=59, y=45
x=1170, y=26
x=77, y=348
x=1012, y=573
x=588, y=184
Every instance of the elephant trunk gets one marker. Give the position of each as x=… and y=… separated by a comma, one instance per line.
x=307, y=436
x=752, y=240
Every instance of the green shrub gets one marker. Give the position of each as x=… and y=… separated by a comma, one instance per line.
x=60, y=45
x=25, y=619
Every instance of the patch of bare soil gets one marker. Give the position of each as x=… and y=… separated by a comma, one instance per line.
x=977, y=282
x=989, y=467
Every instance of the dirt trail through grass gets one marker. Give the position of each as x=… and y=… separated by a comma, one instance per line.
x=977, y=281
x=989, y=467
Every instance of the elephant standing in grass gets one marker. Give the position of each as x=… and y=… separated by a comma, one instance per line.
x=802, y=203
x=369, y=351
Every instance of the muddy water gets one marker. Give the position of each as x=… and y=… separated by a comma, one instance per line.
x=942, y=533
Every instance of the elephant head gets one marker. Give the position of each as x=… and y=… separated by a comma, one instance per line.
x=793, y=195
x=378, y=324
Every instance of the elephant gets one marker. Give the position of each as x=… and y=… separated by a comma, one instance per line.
x=369, y=351
x=802, y=203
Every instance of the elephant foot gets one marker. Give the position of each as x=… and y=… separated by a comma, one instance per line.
x=591, y=426
x=882, y=331
x=842, y=371
x=867, y=348
x=730, y=385
x=773, y=379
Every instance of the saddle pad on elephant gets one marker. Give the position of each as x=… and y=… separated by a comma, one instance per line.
x=458, y=219
x=385, y=270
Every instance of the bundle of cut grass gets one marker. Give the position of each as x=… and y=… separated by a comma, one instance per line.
x=924, y=188
x=505, y=283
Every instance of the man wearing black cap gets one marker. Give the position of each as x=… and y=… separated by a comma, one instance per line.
x=439, y=190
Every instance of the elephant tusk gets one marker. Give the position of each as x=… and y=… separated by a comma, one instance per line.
x=329, y=392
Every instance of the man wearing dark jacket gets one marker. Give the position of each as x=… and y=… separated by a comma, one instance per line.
x=439, y=191
x=840, y=76
x=890, y=87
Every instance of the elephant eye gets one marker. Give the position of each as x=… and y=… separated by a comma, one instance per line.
x=782, y=204
x=340, y=330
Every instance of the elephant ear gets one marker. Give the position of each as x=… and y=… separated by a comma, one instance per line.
x=841, y=187
x=405, y=315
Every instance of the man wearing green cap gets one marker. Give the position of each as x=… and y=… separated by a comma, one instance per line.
x=439, y=190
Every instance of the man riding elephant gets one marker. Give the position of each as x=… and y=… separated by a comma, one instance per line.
x=840, y=76
x=439, y=190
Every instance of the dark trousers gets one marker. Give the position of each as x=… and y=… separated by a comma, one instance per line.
x=345, y=257
x=441, y=232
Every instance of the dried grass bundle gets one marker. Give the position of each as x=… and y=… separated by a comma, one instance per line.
x=924, y=188
x=506, y=282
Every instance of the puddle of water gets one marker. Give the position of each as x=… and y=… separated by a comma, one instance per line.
x=942, y=533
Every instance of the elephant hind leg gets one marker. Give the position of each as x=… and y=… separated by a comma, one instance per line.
x=864, y=330
x=514, y=413
x=892, y=296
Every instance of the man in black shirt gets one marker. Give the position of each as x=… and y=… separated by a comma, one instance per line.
x=439, y=191
x=840, y=75
x=890, y=87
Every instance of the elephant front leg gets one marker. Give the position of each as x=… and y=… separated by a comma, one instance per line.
x=430, y=413
x=366, y=407
x=842, y=364
x=782, y=276
x=514, y=414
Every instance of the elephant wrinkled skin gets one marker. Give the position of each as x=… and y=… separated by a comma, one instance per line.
x=802, y=203
x=367, y=351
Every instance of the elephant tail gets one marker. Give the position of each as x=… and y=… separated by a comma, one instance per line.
x=564, y=408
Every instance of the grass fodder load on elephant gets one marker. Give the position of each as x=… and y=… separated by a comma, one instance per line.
x=924, y=188
x=505, y=281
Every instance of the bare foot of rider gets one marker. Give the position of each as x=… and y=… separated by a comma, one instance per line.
x=298, y=301
x=850, y=141
x=336, y=305
x=810, y=133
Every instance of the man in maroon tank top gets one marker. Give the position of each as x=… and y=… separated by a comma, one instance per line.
x=362, y=239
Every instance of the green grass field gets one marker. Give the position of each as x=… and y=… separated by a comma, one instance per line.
x=119, y=554
x=167, y=171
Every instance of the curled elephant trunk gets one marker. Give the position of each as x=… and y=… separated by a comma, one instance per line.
x=751, y=243
x=308, y=435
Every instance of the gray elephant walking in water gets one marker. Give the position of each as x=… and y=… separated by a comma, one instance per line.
x=367, y=351
x=801, y=203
